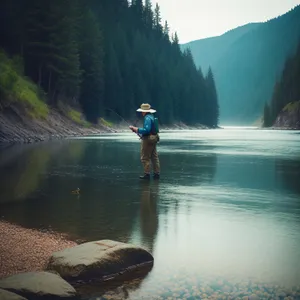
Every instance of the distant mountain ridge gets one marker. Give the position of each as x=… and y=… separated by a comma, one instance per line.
x=246, y=62
x=207, y=51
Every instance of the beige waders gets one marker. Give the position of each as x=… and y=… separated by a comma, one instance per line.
x=149, y=154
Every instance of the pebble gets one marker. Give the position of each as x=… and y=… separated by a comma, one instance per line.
x=253, y=297
x=24, y=250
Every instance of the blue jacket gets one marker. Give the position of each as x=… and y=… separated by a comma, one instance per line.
x=148, y=123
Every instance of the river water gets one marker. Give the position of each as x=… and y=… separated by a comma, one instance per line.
x=223, y=221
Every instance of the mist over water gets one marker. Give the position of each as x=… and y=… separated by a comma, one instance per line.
x=225, y=215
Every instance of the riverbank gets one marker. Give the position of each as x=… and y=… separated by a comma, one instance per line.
x=17, y=127
x=280, y=128
x=25, y=250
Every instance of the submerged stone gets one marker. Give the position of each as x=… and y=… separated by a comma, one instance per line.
x=102, y=259
x=38, y=285
x=6, y=295
x=254, y=297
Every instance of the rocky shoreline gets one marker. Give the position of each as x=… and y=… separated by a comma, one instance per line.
x=16, y=127
x=24, y=250
x=289, y=117
x=39, y=265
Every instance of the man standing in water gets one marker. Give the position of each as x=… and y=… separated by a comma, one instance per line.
x=150, y=138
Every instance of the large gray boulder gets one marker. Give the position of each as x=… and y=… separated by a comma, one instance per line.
x=98, y=260
x=6, y=295
x=39, y=285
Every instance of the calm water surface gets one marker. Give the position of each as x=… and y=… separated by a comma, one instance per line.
x=223, y=221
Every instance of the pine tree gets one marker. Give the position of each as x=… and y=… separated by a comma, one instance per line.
x=212, y=98
x=68, y=64
x=166, y=30
x=38, y=48
x=175, y=39
x=175, y=42
x=12, y=30
x=51, y=49
x=91, y=62
x=157, y=18
x=113, y=81
x=148, y=15
x=276, y=105
x=267, y=121
x=137, y=7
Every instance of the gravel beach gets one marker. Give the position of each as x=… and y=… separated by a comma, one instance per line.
x=23, y=250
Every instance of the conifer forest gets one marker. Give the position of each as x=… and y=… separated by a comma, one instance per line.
x=100, y=56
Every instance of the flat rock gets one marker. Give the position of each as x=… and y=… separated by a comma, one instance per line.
x=6, y=295
x=98, y=260
x=38, y=285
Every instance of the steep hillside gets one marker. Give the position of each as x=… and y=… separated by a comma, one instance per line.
x=284, y=108
x=289, y=117
x=24, y=115
x=208, y=51
x=246, y=63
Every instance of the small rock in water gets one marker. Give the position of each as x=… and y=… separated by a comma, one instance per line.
x=253, y=297
x=226, y=289
x=39, y=285
x=281, y=294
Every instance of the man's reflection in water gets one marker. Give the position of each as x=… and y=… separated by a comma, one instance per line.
x=149, y=214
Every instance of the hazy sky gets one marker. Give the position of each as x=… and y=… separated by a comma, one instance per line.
x=195, y=19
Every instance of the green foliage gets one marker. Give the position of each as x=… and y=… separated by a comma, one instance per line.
x=75, y=116
x=78, y=118
x=105, y=123
x=14, y=87
x=292, y=106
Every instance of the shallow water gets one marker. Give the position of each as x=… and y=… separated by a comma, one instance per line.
x=223, y=221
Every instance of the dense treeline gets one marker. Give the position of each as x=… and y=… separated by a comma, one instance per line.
x=100, y=54
x=286, y=90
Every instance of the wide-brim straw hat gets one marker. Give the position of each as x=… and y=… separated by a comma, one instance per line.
x=145, y=107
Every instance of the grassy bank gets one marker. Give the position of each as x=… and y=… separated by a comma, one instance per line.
x=292, y=107
x=25, y=115
x=16, y=88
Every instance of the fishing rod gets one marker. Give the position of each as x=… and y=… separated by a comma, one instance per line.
x=107, y=108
